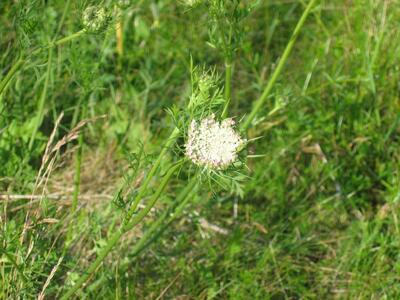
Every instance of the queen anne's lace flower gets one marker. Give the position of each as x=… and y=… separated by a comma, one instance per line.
x=94, y=18
x=213, y=144
x=191, y=3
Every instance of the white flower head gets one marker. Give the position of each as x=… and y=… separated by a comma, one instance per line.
x=213, y=144
x=124, y=3
x=191, y=3
x=94, y=18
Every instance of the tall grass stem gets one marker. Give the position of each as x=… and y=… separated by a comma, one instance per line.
x=289, y=47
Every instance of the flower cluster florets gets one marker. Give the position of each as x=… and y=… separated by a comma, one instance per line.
x=213, y=144
x=94, y=18
x=191, y=3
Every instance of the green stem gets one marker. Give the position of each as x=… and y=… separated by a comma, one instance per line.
x=172, y=138
x=228, y=88
x=42, y=100
x=148, y=238
x=77, y=178
x=143, y=213
x=21, y=61
x=68, y=38
x=10, y=74
x=259, y=103
x=77, y=184
x=60, y=41
x=157, y=227
x=128, y=224
x=66, y=7
x=16, y=266
x=103, y=253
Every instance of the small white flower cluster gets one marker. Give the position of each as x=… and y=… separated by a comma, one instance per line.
x=124, y=3
x=191, y=3
x=213, y=144
x=94, y=18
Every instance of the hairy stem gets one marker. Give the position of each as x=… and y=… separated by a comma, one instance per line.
x=157, y=227
x=260, y=101
x=171, y=139
x=128, y=223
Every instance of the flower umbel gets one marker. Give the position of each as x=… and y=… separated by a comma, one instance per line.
x=94, y=18
x=213, y=144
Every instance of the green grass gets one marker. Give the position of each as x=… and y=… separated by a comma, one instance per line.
x=319, y=218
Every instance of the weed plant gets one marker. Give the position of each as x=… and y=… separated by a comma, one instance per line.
x=101, y=198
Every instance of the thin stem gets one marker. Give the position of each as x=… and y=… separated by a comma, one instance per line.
x=182, y=199
x=103, y=253
x=228, y=88
x=158, y=227
x=117, y=235
x=60, y=41
x=69, y=38
x=77, y=178
x=10, y=74
x=16, y=266
x=143, y=213
x=66, y=7
x=259, y=103
x=77, y=184
x=21, y=61
x=172, y=138
x=42, y=100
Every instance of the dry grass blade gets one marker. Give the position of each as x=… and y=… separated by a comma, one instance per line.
x=51, y=275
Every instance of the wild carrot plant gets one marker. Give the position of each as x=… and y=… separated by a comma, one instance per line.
x=210, y=144
x=207, y=139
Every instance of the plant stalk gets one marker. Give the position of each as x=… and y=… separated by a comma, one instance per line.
x=171, y=139
x=289, y=47
x=77, y=184
x=60, y=41
x=158, y=227
x=10, y=74
x=228, y=88
x=42, y=100
x=127, y=223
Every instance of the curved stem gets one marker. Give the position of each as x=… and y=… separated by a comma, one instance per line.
x=10, y=74
x=143, y=213
x=172, y=138
x=113, y=240
x=157, y=228
x=42, y=100
x=259, y=103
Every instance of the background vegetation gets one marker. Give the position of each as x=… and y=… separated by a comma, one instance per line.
x=319, y=213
